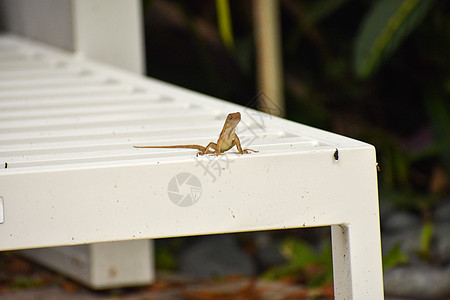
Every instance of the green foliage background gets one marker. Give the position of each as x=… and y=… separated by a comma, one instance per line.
x=373, y=70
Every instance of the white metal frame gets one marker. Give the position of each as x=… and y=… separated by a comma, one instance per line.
x=73, y=176
x=111, y=32
x=75, y=179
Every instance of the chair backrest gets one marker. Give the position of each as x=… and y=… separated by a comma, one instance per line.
x=108, y=31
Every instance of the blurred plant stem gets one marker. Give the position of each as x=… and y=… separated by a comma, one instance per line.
x=224, y=23
x=268, y=55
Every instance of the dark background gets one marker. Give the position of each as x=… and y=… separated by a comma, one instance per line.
x=402, y=106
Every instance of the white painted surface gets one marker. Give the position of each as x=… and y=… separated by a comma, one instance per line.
x=2, y=211
x=101, y=265
x=110, y=31
x=48, y=21
x=73, y=176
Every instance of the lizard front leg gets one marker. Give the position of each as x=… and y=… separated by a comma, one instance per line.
x=237, y=142
x=207, y=151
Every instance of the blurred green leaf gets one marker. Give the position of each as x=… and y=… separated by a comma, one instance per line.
x=425, y=239
x=165, y=261
x=394, y=258
x=401, y=167
x=166, y=251
x=304, y=261
x=387, y=24
x=26, y=282
x=224, y=22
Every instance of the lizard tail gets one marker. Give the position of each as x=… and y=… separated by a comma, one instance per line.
x=197, y=147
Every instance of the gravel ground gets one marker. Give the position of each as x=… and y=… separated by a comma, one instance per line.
x=21, y=279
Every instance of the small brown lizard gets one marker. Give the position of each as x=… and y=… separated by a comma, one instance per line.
x=227, y=139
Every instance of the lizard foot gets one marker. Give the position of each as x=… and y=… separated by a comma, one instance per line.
x=247, y=151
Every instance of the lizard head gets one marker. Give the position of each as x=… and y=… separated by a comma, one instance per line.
x=234, y=117
x=231, y=122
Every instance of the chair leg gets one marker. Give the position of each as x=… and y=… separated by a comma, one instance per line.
x=357, y=267
x=101, y=265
